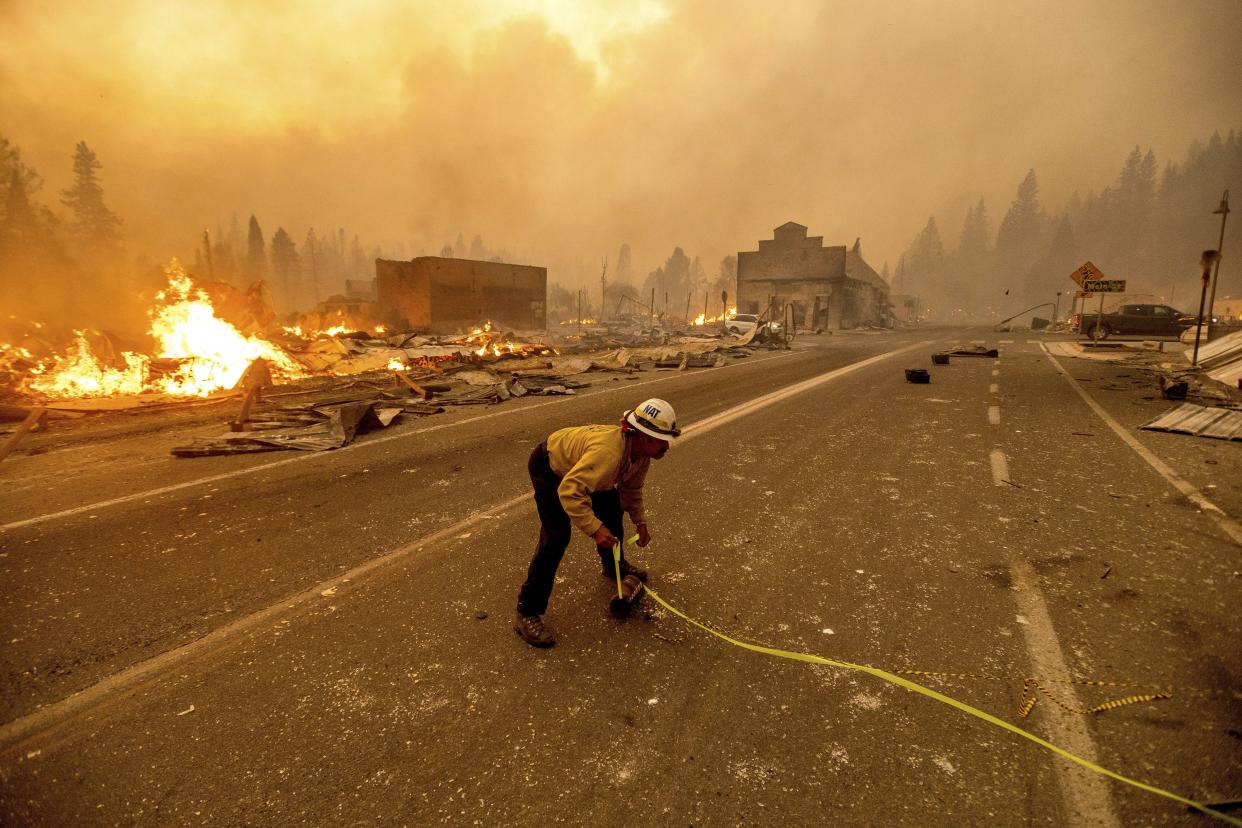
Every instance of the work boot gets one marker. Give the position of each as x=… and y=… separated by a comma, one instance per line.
x=627, y=568
x=532, y=630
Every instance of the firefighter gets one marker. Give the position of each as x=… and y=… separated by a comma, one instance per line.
x=587, y=477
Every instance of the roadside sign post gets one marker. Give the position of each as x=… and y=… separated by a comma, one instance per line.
x=1210, y=257
x=1081, y=275
x=1099, y=314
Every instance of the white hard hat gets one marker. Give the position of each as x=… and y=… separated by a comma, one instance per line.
x=655, y=418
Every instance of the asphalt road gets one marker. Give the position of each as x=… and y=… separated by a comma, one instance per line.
x=325, y=639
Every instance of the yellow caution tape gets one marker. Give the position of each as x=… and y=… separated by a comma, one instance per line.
x=1028, y=703
x=940, y=697
x=1162, y=691
x=616, y=562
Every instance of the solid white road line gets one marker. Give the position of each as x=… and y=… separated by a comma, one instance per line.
x=45, y=717
x=994, y=414
x=1086, y=794
x=300, y=458
x=1228, y=524
x=1000, y=467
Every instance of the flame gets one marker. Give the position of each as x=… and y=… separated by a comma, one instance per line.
x=703, y=319
x=334, y=330
x=17, y=349
x=493, y=343
x=211, y=353
x=78, y=373
x=186, y=327
x=396, y=365
x=379, y=329
x=296, y=330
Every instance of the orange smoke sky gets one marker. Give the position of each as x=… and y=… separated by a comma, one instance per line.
x=561, y=129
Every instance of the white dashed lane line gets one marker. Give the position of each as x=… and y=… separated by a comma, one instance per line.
x=1086, y=796
x=1000, y=467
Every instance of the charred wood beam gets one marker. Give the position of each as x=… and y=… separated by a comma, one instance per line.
x=37, y=418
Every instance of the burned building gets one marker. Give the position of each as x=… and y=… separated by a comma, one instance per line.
x=440, y=295
x=828, y=287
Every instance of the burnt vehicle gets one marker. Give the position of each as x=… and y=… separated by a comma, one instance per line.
x=1135, y=320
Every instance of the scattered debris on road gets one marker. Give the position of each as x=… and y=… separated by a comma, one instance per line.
x=918, y=375
x=974, y=349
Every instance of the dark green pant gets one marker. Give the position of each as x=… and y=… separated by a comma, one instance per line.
x=555, y=531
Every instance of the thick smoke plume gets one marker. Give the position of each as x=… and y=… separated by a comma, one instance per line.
x=559, y=131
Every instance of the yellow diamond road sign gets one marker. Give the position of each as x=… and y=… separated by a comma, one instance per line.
x=1087, y=272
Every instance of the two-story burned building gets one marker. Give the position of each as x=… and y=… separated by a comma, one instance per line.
x=828, y=288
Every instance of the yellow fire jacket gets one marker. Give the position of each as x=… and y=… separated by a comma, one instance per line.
x=591, y=459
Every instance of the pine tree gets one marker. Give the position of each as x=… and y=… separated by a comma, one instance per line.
x=235, y=243
x=310, y=248
x=19, y=226
x=256, y=258
x=285, y=267
x=976, y=234
x=927, y=253
x=93, y=225
x=358, y=259
x=224, y=262
x=625, y=266
x=1022, y=226
x=900, y=276
x=14, y=173
x=477, y=250
x=673, y=279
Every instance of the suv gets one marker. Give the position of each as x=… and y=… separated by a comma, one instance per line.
x=1139, y=320
x=741, y=324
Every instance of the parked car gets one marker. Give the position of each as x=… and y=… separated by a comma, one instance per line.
x=1135, y=320
x=742, y=324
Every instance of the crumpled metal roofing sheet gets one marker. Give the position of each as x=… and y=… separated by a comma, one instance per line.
x=1218, y=352
x=1199, y=420
x=1229, y=373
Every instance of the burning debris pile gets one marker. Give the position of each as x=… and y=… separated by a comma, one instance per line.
x=212, y=345
x=196, y=353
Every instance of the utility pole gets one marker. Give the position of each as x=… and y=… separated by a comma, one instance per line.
x=1223, y=212
x=603, y=290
